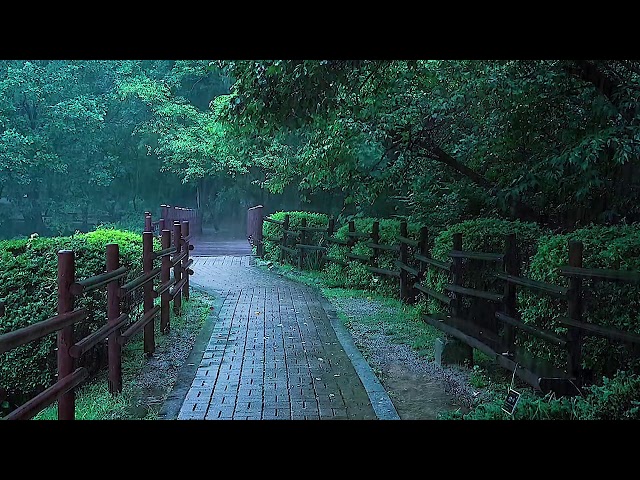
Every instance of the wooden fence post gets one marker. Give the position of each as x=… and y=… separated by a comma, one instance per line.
x=303, y=237
x=113, y=312
x=375, y=238
x=168, y=215
x=283, y=241
x=331, y=226
x=185, y=234
x=404, y=256
x=165, y=276
x=66, y=276
x=423, y=249
x=511, y=267
x=254, y=228
x=456, y=270
x=351, y=240
x=259, y=241
x=574, y=336
x=177, y=269
x=147, y=266
x=147, y=222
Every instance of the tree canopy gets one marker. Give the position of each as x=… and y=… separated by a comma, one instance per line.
x=440, y=141
x=554, y=141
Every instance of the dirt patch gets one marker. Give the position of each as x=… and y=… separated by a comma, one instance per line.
x=419, y=389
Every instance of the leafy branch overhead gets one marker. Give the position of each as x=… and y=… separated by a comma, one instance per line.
x=440, y=141
x=552, y=141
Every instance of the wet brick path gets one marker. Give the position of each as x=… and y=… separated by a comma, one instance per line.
x=273, y=353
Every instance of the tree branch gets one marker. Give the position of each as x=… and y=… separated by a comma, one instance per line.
x=589, y=72
x=443, y=157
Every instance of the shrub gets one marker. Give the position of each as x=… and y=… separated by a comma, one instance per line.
x=615, y=398
x=28, y=282
x=609, y=304
x=480, y=235
x=355, y=274
x=272, y=250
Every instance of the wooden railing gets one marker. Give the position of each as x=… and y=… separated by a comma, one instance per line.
x=254, y=228
x=495, y=334
x=120, y=327
x=169, y=215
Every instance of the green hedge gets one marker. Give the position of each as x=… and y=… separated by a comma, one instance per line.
x=355, y=274
x=480, y=235
x=271, y=249
x=28, y=282
x=608, y=304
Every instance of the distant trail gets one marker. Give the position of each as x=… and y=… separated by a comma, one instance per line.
x=212, y=243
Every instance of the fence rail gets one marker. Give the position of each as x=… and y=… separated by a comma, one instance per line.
x=495, y=334
x=69, y=349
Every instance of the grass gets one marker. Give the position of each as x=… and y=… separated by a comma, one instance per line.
x=93, y=400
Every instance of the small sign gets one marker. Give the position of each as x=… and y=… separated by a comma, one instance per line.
x=511, y=401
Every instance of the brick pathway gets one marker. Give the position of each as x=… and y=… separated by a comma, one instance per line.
x=275, y=353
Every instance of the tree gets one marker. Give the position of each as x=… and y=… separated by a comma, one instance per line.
x=536, y=140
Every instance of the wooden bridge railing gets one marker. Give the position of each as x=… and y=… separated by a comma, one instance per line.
x=496, y=336
x=120, y=327
x=254, y=228
x=169, y=215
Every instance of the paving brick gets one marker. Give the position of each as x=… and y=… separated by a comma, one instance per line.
x=271, y=341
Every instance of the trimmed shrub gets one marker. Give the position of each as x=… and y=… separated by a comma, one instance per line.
x=608, y=304
x=28, y=282
x=272, y=250
x=355, y=274
x=480, y=235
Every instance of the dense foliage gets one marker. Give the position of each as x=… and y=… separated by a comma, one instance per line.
x=94, y=141
x=611, y=304
x=28, y=283
x=615, y=399
x=479, y=235
x=553, y=141
x=550, y=141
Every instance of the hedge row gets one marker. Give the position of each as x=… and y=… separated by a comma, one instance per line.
x=541, y=255
x=28, y=283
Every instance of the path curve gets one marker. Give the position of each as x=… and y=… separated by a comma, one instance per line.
x=275, y=349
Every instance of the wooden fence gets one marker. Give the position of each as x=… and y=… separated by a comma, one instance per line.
x=169, y=215
x=494, y=334
x=120, y=326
